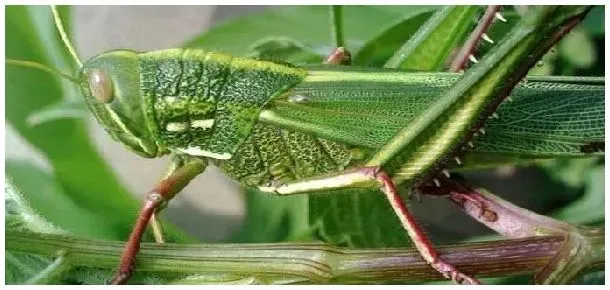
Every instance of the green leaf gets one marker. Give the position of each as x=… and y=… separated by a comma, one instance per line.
x=76, y=162
x=284, y=49
x=271, y=218
x=308, y=25
x=590, y=207
x=65, y=109
x=21, y=215
x=379, y=49
x=578, y=48
x=24, y=268
x=593, y=278
x=356, y=218
x=595, y=21
x=571, y=172
x=430, y=47
x=56, y=54
x=83, y=174
x=45, y=195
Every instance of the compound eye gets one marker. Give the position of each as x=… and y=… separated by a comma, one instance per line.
x=100, y=86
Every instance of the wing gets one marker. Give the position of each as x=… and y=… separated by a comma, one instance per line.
x=365, y=107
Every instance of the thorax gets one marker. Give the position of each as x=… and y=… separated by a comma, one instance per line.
x=204, y=103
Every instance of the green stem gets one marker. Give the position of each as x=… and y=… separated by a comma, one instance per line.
x=336, y=25
x=306, y=263
x=582, y=251
x=428, y=48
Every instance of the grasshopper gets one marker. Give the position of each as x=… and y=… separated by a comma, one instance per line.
x=286, y=129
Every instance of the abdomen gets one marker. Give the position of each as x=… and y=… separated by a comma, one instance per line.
x=273, y=154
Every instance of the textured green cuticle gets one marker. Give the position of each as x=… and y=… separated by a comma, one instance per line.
x=274, y=154
x=206, y=100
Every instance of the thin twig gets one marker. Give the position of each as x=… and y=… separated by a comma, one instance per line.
x=497, y=214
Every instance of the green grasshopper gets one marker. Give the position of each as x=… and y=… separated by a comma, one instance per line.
x=287, y=130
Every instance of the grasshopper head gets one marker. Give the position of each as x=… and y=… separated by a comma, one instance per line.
x=110, y=83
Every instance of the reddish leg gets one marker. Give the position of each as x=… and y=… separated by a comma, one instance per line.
x=164, y=191
x=152, y=201
x=422, y=243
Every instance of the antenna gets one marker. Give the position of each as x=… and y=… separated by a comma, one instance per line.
x=36, y=65
x=64, y=36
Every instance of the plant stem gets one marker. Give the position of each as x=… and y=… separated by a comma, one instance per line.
x=336, y=25
x=309, y=263
x=440, y=33
x=509, y=220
